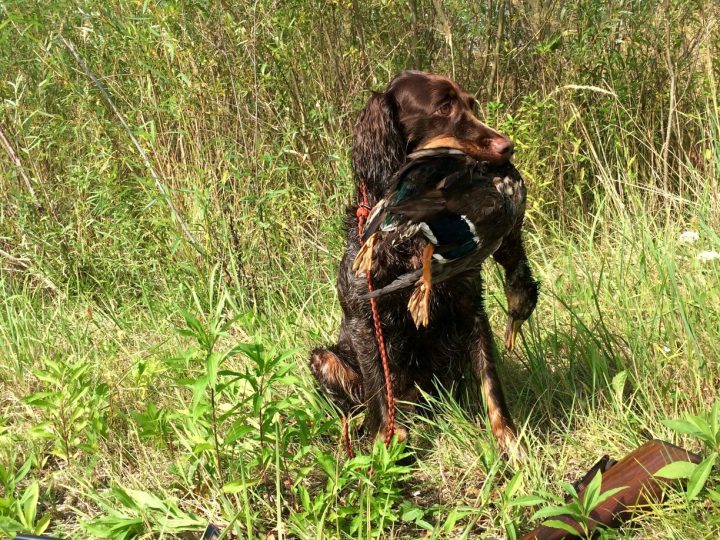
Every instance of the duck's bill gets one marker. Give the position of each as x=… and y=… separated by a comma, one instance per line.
x=511, y=331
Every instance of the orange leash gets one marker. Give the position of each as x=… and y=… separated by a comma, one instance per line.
x=362, y=214
x=346, y=437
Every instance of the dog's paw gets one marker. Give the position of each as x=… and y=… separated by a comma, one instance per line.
x=338, y=380
x=319, y=359
x=400, y=433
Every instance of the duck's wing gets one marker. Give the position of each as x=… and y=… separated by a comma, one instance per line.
x=417, y=191
x=491, y=214
x=441, y=271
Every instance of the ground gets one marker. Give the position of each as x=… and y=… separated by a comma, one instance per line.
x=156, y=381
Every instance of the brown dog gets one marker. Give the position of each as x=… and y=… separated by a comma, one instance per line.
x=419, y=110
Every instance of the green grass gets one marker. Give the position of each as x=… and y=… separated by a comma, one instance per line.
x=149, y=389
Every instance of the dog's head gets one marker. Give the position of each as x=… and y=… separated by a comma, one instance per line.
x=420, y=110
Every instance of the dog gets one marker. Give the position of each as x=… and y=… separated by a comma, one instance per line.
x=420, y=110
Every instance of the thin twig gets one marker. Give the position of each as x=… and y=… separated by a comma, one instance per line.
x=23, y=265
x=492, y=85
x=446, y=30
x=18, y=164
x=161, y=188
x=17, y=262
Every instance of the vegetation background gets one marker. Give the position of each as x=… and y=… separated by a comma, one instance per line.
x=154, y=371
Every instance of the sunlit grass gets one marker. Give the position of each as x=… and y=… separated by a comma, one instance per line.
x=131, y=404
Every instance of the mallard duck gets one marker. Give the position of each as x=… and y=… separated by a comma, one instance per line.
x=446, y=197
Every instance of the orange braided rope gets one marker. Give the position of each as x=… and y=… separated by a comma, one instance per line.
x=362, y=214
x=346, y=437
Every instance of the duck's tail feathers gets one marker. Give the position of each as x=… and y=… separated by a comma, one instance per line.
x=441, y=271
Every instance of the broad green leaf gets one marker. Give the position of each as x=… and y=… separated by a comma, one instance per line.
x=618, y=385
x=510, y=531
x=715, y=423
x=10, y=526
x=454, y=516
x=198, y=332
x=124, y=498
x=42, y=524
x=29, y=504
x=412, y=513
x=236, y=486
x=42, y=400
x=557, y=524
x=24, y=469
x=569, y=489
x=592, y=492
x=361, y=460
x=290, y=380
x=513, y=485
x=528, y=500
x=254, y=351
x=677, y=469
x=552, y=511
x=605, y=495
x=424, y=525
x=237, y=430
x=700, y=475
x=327, y=462
x=198, y=388
x=683, y=426
x=183, y=522
x=143, y=499
x=703, y=427
x=211, y=368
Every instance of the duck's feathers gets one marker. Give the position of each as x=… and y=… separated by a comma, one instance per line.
x=441, y=270
x=460, y=208
x=418, y=187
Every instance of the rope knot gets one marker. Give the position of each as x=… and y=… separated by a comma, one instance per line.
x=362, y=212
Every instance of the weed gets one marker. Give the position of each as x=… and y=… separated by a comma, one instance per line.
x=149, y=389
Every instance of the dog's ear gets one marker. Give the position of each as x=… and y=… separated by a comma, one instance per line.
x=378, y=147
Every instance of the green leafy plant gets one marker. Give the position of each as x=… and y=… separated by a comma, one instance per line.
x=576, y=506
x=127, y=513
x=511, y=502
x=362, y=495
x=19, y=512
x=72, y=407
x=706, y=428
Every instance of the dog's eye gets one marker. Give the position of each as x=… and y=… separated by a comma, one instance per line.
x=445, y=109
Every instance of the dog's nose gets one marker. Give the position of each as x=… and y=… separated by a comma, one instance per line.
x=505, y=147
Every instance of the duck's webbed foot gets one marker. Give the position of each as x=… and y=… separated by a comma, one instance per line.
x=363, y=260
x=512, y=328
x=419, y=304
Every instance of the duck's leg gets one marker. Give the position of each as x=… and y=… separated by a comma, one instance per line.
x=419, y=304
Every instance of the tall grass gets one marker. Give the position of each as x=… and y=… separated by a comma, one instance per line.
x=150, y=387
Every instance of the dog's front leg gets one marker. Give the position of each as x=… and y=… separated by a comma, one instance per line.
x=373, y=377
x=484, y=366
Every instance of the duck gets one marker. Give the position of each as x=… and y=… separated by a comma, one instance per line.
x=456, y=205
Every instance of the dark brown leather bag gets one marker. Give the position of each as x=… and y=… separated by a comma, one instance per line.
x=635, y=472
